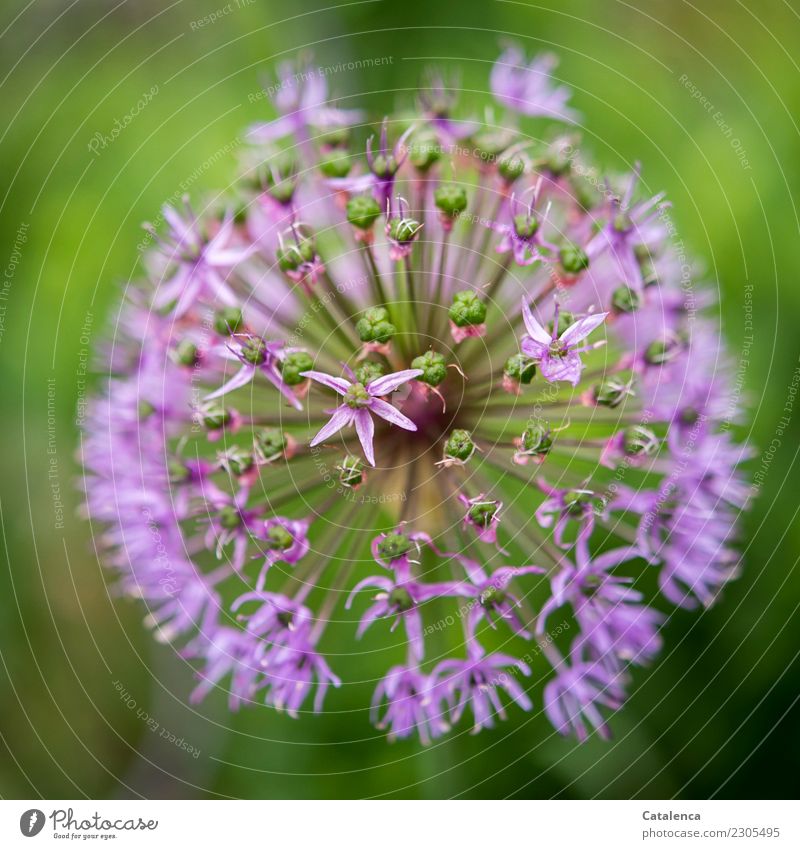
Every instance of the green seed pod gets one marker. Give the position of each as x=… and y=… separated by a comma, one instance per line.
x=394, y=546
x=292, y=366
x=335, y=163
x=228, y=321
x=186, y=353
x=450, y=199
x=459, y=445
x=270, y=442
x=520, y=368
x=625, y=300
x=537, y=440
x=369, y=371
x=278, y=538
x=363, y=211
x=374, y=326
x=639, y=440
x=573, y=259
x=434, y=367
x=467, y=310
x=611, y=392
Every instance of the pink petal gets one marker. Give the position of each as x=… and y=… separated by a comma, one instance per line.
x=365, y=428
x=388, y=412
x=337, y=383
x=341, y=417
x=567, y=368
x=384, y=385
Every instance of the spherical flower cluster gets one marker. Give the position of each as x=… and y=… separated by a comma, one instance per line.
x=446, y=381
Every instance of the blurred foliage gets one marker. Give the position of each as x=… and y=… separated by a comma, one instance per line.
x=715, y=715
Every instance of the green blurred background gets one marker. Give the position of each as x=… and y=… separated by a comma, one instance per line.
x=717, y=715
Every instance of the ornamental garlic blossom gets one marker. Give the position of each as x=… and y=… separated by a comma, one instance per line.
x=522, y=375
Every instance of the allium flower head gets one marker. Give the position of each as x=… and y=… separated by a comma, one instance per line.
x=497, y=353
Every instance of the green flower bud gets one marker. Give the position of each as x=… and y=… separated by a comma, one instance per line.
x=235, y=460
x=525, y=226
x=537, y=440
x=335, y=163
x=511, y=168
x=229, y=517
x=374, y=326
x=622, y=222
x=279, y=539
x=363, y=211
x=270, y=442
x=491, y=143
x=639, y=440
x=573, y=259
x=434, y=368
x=467, y=309
x=293, y=364
x=400, y=599
x=459, y=445
x=493, y=597
x=178, y=470
x=292, y=256
x=424, y=154
x=611, y=392
x=215, y=418
x=404, y=230
x=520, y=368
x=145, y=409
x=254, y=351
x=356, y=396
x=450, y=199
x=369, y=371
x=576, y=500
x=394, y=546
x=625, y=300
x=351, y=472
x=662, y=351
x=228, y=321
x=334, y=137
x=186, y=353
x=482, y=513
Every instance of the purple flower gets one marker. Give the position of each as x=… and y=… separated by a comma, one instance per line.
x=359, y=401
x=573, y=698
x=290, y=673
x=284, y=540
x=492, y=598
x=523, y=230
x=557, y=355
x=201, y=263
x=256, y=356
x=528, y=87
x=409, y=705
x=383, y=167
x=301, y=93
x=474, y=683
x=614, y=625
x=483, y=515
x=401, y=599
x=643, y=476
x=627, y=227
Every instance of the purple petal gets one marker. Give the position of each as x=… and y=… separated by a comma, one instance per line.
x=390, y=382
x=341, y=417
x=365, y=428
x=241, y=378
x=582, y=328
x=339, y=384
x=535, y=330
x=388, y=412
